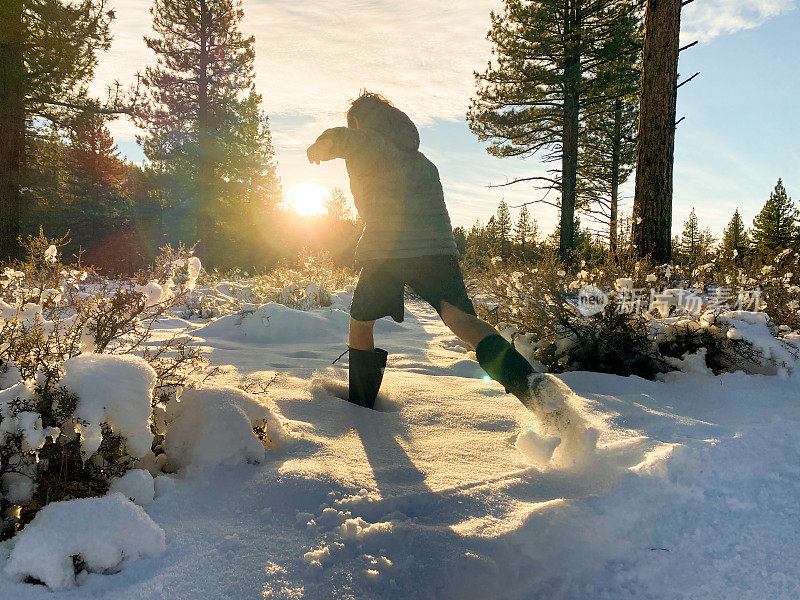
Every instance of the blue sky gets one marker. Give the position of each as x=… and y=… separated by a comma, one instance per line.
x=742, y=124
x=740, y=134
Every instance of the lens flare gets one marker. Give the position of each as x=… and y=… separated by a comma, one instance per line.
x=307, y=199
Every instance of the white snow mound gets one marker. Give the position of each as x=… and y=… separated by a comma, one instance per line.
x=214, y=426
x=274, y=323
x=136, y=485
x=105, y=533
x=117, y=390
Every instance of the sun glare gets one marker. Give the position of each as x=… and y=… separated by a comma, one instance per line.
x=307, y=199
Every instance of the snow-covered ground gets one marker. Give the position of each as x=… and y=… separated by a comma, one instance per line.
x=692, y=492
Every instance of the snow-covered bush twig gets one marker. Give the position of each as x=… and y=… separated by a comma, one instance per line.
x=43, y=448
x=644, y=333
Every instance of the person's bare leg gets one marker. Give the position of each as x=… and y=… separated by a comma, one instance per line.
x=468, y=328
x=361, y=337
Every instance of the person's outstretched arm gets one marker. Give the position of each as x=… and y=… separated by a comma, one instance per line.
x=339, y=142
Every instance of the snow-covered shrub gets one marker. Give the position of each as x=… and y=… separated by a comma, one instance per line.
x=780, y=290
x=172, y=279
x=304, y=295
x=115, y=390
x=79, y=376
x=541, y=303
x=176, y=269
x=611, y=341
x=203, y=295
x=218, y=299
x=649, y=321
x=67, y=439
x=304, y=284
x=724, y=284
x=40, y=330
x=318, y=270
x=729, y=341
x=41, y=270
x=214, y=425
x=96, y=535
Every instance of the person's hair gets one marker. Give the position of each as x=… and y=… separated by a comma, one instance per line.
x=367, y=107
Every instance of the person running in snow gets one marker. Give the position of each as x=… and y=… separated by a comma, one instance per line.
x=407, y=240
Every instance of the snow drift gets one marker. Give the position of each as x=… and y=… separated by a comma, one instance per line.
x=214, y=426
x=274, y=323
x=102, y=534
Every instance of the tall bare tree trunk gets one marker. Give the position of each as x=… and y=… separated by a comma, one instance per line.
x=652, y=205
x=205, y=219
x=12, y=124
x=569, y=157
x=616, y=151
x=569, y=169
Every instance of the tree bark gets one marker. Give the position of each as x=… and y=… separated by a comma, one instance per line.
x=569, y=155
x=12, y=125
x=205, y=227
x=652, y=205
x=616, y=151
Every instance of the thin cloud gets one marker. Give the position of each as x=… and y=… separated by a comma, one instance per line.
x=312, y=57
x=705, y=20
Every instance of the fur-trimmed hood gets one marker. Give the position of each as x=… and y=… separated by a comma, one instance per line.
x=393, y=124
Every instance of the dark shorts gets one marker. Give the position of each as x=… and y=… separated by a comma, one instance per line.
x=379, y=292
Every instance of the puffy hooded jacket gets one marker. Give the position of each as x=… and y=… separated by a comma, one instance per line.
x=396, y=189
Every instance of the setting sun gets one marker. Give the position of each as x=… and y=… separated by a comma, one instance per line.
x=307, y=199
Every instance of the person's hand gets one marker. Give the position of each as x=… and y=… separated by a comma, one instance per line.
x=320, y=151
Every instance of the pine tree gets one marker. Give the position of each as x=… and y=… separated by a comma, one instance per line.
x=95, y=177
x=460, y=237
x=250, y=178
x=695, y=244
x=503, y=223
x=98, y=168
x=690, y=239
x=48, y=51
x=477, y=245
x=775, y=227
x=608, y=148
x=735, y=243
x=206, y=133
x=47, y=192
x=529, y=99
x=524, y=232
x=337, y=205
x=676, y=246
x=490, y=236
x=707, y=243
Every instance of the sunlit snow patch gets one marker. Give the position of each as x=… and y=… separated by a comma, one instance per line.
x=274, y=323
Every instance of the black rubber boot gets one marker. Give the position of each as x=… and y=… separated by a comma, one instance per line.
x=366, y=375
x=504, y=364
x=543, y=393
